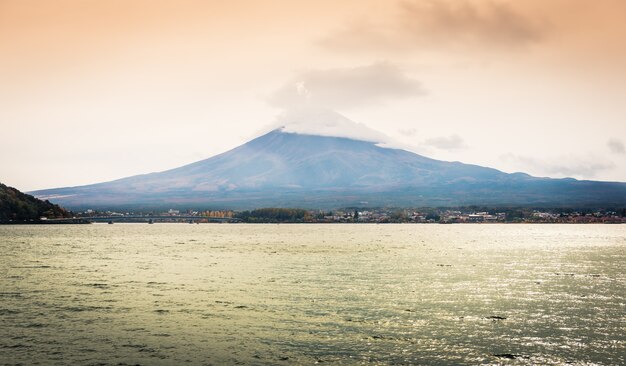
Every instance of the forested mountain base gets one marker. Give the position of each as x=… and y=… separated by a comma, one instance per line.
x=16, y=206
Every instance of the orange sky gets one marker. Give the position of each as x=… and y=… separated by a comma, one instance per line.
x=98, y=90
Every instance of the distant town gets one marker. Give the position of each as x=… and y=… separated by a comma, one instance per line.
x=362, y=215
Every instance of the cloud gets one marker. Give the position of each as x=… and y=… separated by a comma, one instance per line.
x=441, y=24
x=616, y=146
x=318, y=121
x=409, y=132
x=346, y=87
x=325, y=122
x=569, y=166
x=468, y=22
x=448, y=143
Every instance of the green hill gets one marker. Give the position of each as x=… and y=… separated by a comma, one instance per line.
x=16, y=206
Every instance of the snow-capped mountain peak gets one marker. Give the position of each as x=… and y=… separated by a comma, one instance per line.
x=326, y=122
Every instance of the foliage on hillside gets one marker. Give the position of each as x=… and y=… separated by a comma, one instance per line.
x=18, y=206
x=274, y=215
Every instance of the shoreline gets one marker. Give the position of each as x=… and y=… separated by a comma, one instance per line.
x=87, y=222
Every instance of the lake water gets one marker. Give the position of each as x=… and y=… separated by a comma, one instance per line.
x=215, y=294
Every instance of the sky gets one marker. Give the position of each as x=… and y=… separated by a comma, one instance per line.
x=92, y=91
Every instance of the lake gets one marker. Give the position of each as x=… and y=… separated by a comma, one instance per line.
x=227, y=294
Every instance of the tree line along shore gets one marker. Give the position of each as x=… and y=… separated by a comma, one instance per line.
x=20, y=208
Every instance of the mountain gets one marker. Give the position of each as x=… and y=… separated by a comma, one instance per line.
x=295, y=165
x=16, y=206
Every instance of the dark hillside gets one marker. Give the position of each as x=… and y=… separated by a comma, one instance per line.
x=16, y=206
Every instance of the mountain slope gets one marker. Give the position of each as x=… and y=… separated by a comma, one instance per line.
x=16, y=206
x=299, y=170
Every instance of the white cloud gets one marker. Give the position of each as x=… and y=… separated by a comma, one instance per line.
x=448, y=143
x=325, y=122
x=308, y=120
x=346, y=87
x=616, y=146
x=409, y=132
x=564, y=166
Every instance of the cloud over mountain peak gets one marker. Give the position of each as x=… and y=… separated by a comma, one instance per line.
x=307, y=120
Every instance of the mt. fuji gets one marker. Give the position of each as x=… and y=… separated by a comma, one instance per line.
x=324, y=160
